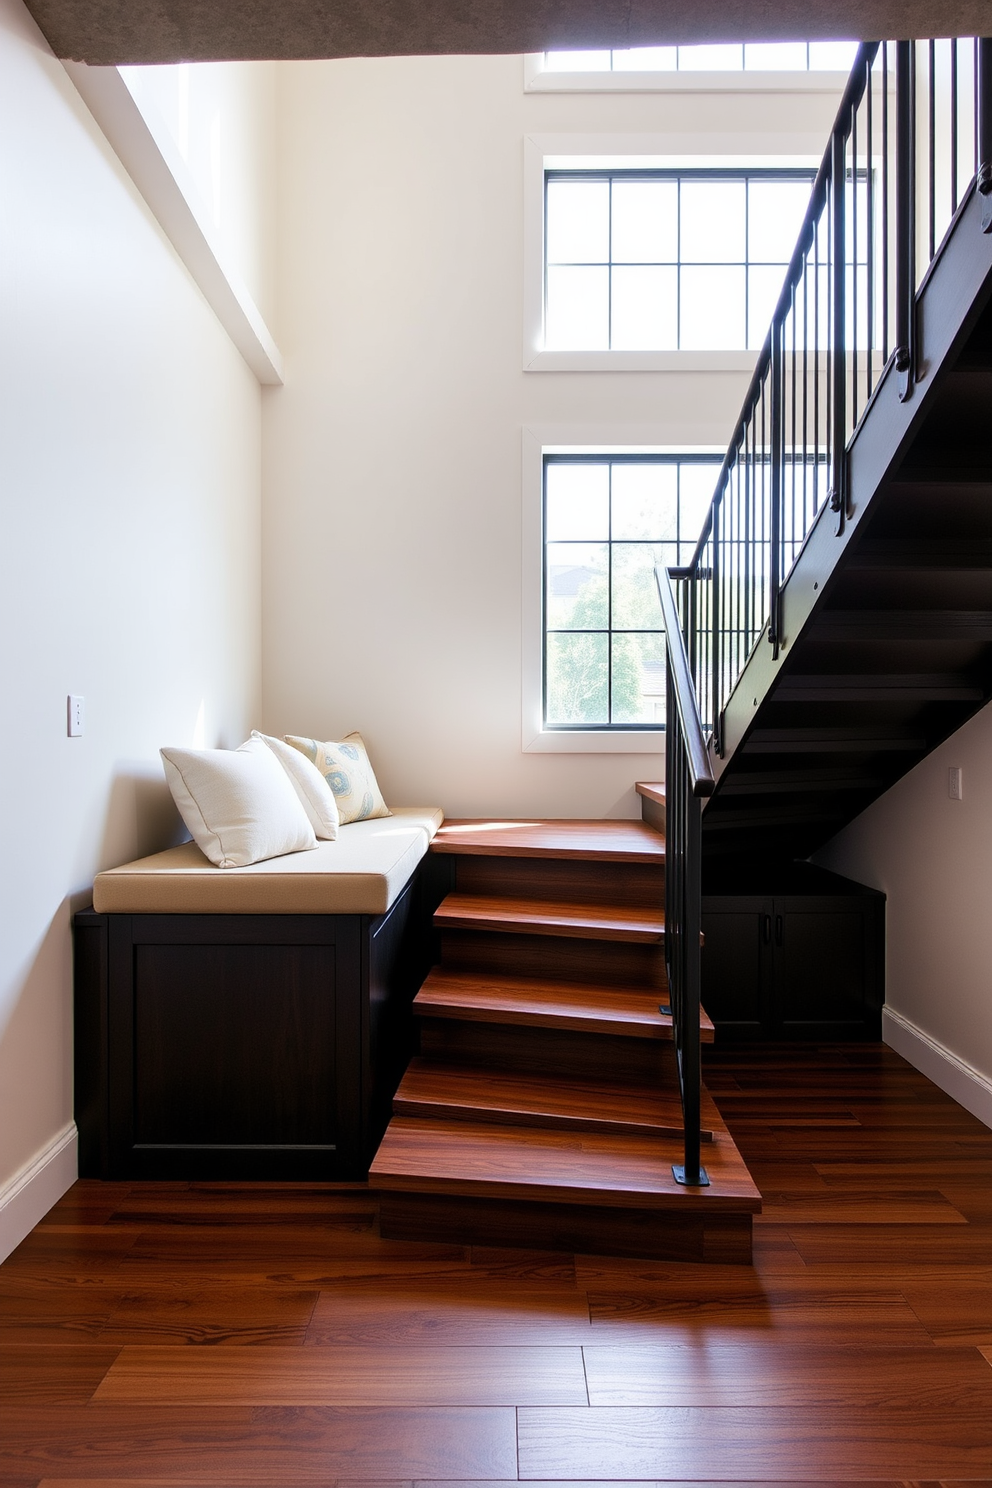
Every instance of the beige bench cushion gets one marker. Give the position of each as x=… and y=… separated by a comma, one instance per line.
x=361, y=873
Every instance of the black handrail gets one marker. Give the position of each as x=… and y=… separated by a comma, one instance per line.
x=684, y=694
x=688, y=778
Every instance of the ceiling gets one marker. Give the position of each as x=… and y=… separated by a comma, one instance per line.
x=136, y=31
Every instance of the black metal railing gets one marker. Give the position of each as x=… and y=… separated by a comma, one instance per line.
x=911, y=144
x=687, y=780
x=912, y=140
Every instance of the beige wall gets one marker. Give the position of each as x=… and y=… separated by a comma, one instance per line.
x=933, y=858
x=392, y=507
x=129, y=556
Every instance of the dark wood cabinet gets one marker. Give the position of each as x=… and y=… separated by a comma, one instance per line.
x=795, y=954
x=242, y=1046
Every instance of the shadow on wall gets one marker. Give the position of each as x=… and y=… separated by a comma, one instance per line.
x=141, y=817
x=36, y=1009
x=36, y=1044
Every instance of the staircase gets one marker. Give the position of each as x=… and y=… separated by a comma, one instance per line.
x=833, y=625
x=544, y=1108
x=887, y=629
x=837, y=614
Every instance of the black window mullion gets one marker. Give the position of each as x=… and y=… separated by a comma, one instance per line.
x=610, y=632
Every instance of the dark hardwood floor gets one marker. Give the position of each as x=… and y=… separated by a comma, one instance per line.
x=242, y=1336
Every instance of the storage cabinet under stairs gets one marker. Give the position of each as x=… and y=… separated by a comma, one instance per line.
x=543, y=1108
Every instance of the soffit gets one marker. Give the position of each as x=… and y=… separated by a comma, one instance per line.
x=147, y=31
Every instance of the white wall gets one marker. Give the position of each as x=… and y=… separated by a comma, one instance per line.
x=129, y=564
x=221, y=116
x=933, y=858
x=392, y=527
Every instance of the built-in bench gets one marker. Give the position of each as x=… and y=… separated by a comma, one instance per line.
x=250, y=1022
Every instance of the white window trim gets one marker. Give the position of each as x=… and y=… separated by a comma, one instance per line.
x=537, y=441
x=537, y=80
x=670, y=152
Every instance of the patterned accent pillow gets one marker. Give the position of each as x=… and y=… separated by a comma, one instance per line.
x=346, y=768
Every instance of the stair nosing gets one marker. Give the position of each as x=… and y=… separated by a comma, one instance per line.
x=544, y=921
x=502, y=1008
x=527, y=1113
x=656, y=1153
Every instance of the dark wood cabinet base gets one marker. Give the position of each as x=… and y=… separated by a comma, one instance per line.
x=793, y=953
x=242, y=1046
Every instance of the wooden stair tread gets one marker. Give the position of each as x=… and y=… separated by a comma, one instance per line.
x=478, y=1159
x=451, y=1093
x=550, y=917
x=610, y=841
x=478, y=997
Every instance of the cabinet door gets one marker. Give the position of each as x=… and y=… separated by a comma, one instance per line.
x=737, y=932
x=822, y=968
x=234, y=1046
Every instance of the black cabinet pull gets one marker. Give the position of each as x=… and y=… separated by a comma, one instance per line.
x=778, y=929
x=767, y=928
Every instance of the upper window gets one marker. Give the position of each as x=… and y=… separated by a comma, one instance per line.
x=662, y=260
x=778, y=56
x=608, y=519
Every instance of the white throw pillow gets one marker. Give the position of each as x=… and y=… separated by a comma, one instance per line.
x=346, y=767
x=238, y=804
x=316, y=796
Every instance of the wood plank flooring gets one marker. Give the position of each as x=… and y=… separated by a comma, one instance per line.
x=255, y=1336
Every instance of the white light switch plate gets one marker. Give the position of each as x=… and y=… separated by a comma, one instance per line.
x=955, y=784
x=76, y=715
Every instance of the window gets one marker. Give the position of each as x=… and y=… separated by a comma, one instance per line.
x=667, y=260
x=607, y=520
x=779, y=56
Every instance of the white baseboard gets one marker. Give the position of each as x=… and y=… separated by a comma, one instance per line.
x=27, y=1197
x=968, y=1086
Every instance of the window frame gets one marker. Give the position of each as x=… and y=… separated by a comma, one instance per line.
x=605, y=441
x=544, y=153
x=686, y=174
x=612, y=459
x=538, y=79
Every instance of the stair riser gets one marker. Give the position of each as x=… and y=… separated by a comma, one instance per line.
x=575, y=881
x=530, y=1051
x=721, y=1239
x=558, y=958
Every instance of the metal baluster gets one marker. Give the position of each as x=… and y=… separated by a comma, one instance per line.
x=792, y=461
x=932, y=144
x=905, y=219
x=839, y=368
x=954, y=125
x=854, y=267
x=870, y=240
x=715, y=624
x=885, y=201
x=983, y=114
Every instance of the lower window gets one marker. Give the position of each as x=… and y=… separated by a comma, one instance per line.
x=607, y=521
